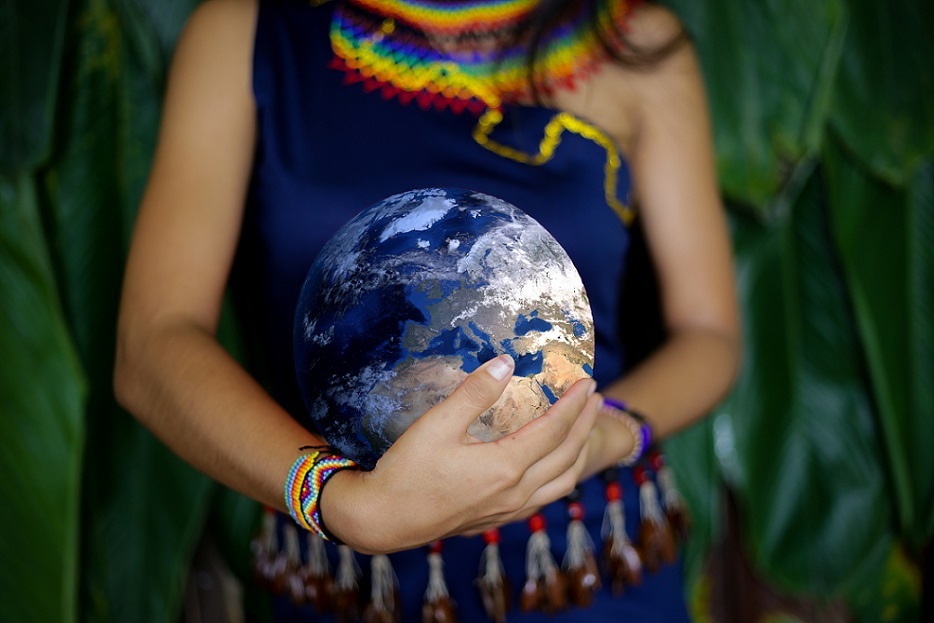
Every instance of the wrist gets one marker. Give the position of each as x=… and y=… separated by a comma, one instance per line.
x=611, y=440
x=305, y=484
x=637, y=425
x=337, y=505
x=355, y=516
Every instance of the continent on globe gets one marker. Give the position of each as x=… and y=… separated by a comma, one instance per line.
x=419, y=290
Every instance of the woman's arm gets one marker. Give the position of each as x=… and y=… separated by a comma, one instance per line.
x=675, y=182
x=178, y=381
x=170, y=372
x=658, y=116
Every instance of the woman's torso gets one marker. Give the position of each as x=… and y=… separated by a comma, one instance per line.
x=326, y=150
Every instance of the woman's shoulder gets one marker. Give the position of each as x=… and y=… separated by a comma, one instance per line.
x=651, y=26
x=222, y=17
x=619, y=95
x=217, y=40
x=210, y=80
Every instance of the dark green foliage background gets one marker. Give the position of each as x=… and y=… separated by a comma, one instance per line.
x=824, y=122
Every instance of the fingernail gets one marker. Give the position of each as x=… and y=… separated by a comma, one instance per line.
x=500, y=367
x=592, y=388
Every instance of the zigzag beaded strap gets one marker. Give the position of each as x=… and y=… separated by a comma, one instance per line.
x=303, y=488
x=637, y=424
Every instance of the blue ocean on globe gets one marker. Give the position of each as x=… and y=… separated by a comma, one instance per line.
x=419, y=290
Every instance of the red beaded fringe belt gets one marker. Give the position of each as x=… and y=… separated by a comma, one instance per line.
x=620, y=561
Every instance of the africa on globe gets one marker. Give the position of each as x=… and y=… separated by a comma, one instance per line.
x=419, y=290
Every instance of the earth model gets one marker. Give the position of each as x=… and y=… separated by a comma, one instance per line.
x=419, y=290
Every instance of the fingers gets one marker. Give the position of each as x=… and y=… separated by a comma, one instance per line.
x=544, y=434
x=475, y=394
x=456, y=487
x=556, y=473
x=559, y=486
x=554, y=481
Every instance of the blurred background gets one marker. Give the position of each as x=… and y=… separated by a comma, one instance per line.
x=811, y=486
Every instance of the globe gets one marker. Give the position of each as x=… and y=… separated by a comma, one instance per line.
x=419, y=290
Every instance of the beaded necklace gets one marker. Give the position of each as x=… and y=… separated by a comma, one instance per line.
x=460, y=55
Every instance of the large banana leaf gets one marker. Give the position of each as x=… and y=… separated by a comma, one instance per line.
x=830, y=410
x=803, y=443
x=884, y=236
x=777, y=74
x=768, y=66
x=143, y=509
x=693, y=459
x=42, y=397
x=883, y=105
x=31, y=38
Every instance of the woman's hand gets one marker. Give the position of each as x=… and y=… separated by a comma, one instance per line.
x=437, y=480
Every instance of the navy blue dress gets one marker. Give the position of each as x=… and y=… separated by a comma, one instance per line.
x=327, y=150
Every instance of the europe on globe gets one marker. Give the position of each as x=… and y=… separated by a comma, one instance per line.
x=417, y=291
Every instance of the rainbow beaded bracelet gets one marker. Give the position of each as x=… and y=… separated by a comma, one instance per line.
x=638, y=426
x=303, y=488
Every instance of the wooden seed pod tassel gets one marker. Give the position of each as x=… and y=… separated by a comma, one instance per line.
x=544, y=587
x=580, y=564
x=437, y=606
x=656, y=542
x=492, y=582
x=346, y=586
x=676, y=510
x=319, y=585
x=622, y=562
x=383, y=606
x=265, y=548
x=290, y=577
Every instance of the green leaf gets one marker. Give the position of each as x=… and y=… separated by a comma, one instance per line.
x=235, y=520
x=769, y=67
x=884, y=236
x=31, y=38
x=883, y=105
x=896, y=598
x=141, y=528
x=162, y=21
x=43, y=395
x=143, y=508
x=691, y=455
x=797, y=438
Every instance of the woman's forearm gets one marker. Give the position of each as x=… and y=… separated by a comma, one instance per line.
x=682, y=380
x=183, y=386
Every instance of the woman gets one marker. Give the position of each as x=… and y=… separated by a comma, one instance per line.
x=282, y=121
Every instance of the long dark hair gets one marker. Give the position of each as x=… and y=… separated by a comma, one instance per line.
x=550, y=14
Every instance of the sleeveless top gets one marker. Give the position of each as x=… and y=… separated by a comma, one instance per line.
x=325, y=151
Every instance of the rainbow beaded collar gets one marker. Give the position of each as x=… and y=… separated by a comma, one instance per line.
x=416, y=49
x=450, y=55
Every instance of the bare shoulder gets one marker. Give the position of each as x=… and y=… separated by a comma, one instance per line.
x=651, y=26
x=676, y=73
x=213, y=57
x=223, y=14
x=656, y=32
x=208, y=118
x=220, y=26
x=669, y=90
x=619, y=96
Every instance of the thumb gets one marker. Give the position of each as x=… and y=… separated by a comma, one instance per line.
x=477, y=392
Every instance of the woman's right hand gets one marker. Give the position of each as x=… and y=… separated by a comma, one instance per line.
x=438, y=480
